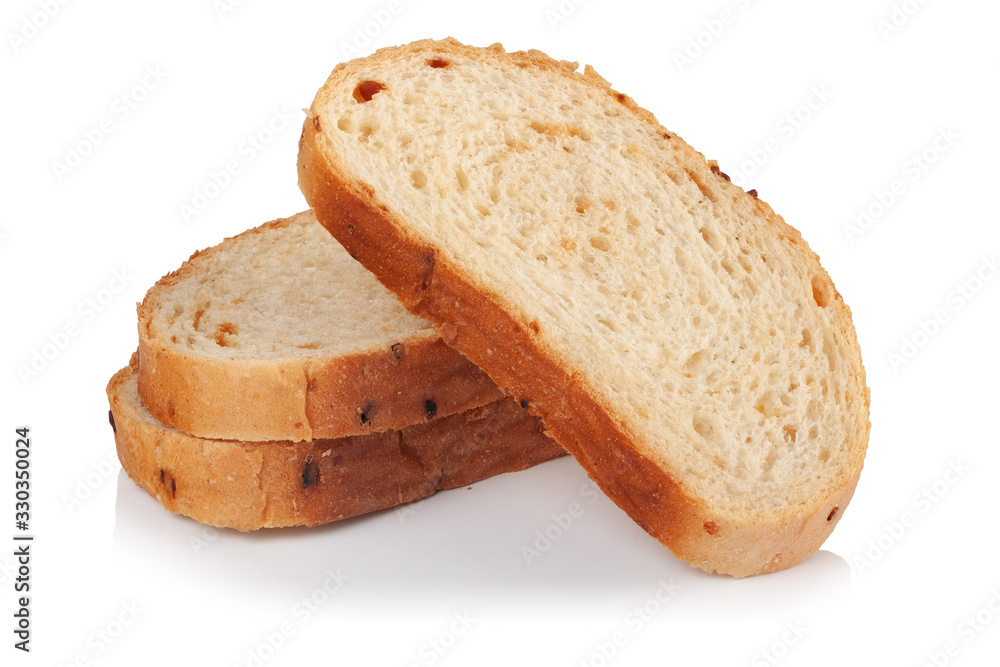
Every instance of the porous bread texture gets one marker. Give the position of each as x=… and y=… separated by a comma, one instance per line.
x=674, y=333
x=289, y=290
x=278, y=334
x=252, y=485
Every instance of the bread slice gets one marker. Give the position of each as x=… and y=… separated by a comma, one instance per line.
x=676, y=336
x=277, y=334
x=251, y=485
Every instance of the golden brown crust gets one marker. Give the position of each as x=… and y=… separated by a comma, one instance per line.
x=476, y=324
x=248, y=485
x=408, y=382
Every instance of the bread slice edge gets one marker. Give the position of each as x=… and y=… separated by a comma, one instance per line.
x=253, y=485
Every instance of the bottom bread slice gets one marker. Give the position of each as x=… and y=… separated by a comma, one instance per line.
x=251, y=485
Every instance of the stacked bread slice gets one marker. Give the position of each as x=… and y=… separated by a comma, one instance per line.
x=277, y=384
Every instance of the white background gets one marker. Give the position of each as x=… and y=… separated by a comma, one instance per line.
x=896, y=583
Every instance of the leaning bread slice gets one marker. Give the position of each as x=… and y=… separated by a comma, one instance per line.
x=277, y=334
x=677, y=337
x=251, y=485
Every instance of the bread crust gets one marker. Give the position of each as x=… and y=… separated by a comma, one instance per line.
x=474, y=321
x=302, y=398
x=252, y=485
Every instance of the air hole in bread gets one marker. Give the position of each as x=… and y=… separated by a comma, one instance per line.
x=225, y=334
x=821, y=291
x=713, y=241
x=698, y=362
x=770, y=460
x=790, y=434
x=438, y=63
x=704, y=295
x=831, y=355
x=366, y=90
x=744, y=259
x=346, y=124
x=463, y=179
x=601, y=243
x=701, y=427
x=419, y=179
x=582, y=204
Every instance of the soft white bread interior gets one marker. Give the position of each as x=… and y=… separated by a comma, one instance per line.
x=676, y=335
